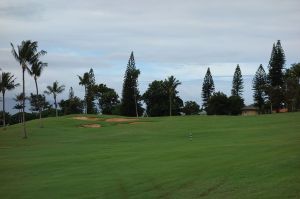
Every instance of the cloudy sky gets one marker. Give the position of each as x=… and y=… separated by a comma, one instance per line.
x=168, y=37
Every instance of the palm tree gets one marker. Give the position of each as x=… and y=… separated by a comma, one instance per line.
x=7, y=83
x=170, y=84
x=19, y=106
x=36, y=70
x=84, y=81
x=55, y=90
x=26, y=54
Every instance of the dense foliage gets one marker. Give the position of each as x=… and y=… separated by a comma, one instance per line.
x=217, y=104
x=220, y=104
x=259, y=85
x=276, y=88
x=157, y=100
x=90, y=95
x=237, y=82
x=292, y=85
x=191, y=108
x=38, y=102
x=208, y=88
x=73, y=105
x=235, y=105
x=130, y=103
x=107, y=99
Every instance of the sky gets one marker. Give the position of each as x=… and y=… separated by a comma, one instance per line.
x=168, y=37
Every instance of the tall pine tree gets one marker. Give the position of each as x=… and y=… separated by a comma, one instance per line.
x=276, y=65
x=259, y=84
x=131, y=105
x=208, y=88
x=237, y=83
x=276, y=76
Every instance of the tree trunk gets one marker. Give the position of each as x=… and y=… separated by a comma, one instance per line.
x=38, y=101
x=55, y=106
x=271, y=108
x=20, y=118
x=170, y=103
x=135, y=103
x=24, y=126
x=85, y=101
x=3, y=93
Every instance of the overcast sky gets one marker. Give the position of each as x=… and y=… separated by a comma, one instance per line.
x=168, y=37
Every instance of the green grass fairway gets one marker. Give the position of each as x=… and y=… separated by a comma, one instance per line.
x=228, y=157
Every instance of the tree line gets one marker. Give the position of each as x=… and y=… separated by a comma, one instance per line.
x=279, y=88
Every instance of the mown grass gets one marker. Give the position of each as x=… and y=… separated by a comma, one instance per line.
x=228, y=157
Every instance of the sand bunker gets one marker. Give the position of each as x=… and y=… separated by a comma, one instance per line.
x=91, y=125
x=87, y=118
x=120, y=120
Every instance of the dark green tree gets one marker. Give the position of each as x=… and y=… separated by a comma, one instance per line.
x=36, y=70
x=235, y=105
x=191, y=108
x=84, y=81
x=171, y=84
x=218, y=104
x=156, y=98
x=208, y=88
x=73, y=105
x=6, y=119
x=296, y=71
x=38, y=103
x=276, y=77
x=276, y=65
x=292, y=87
x=54, y=90
x=107, y=99
x=130, y=103
x=7, y=83
x=237, y=83
x=90, y=95
x=259, y=86
x=19, y=105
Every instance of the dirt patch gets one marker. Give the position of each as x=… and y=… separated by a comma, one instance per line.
x=87, y=118
x=91, y=125
x=121, y=120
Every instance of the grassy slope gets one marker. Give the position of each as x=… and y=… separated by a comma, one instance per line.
x=229, y=157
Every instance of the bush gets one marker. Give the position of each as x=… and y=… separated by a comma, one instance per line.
x=191, y=108
x=235, y=103
x=218, y=104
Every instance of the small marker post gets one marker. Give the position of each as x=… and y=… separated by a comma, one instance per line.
x=191, y=136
